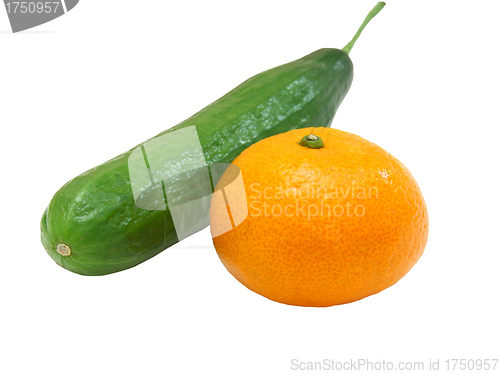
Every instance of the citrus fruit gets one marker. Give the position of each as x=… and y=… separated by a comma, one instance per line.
x=318, y=217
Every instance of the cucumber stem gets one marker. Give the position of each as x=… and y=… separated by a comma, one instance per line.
x=368, y=18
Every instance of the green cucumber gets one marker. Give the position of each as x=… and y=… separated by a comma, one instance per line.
x=94, y=224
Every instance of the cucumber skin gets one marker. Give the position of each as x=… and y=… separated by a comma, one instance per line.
x=95, y=213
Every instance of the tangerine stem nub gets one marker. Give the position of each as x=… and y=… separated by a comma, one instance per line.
x=311, y=141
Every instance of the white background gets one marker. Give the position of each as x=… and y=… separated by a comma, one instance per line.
x=82, y=89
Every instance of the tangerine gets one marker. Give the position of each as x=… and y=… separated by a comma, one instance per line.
x=318, y=217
